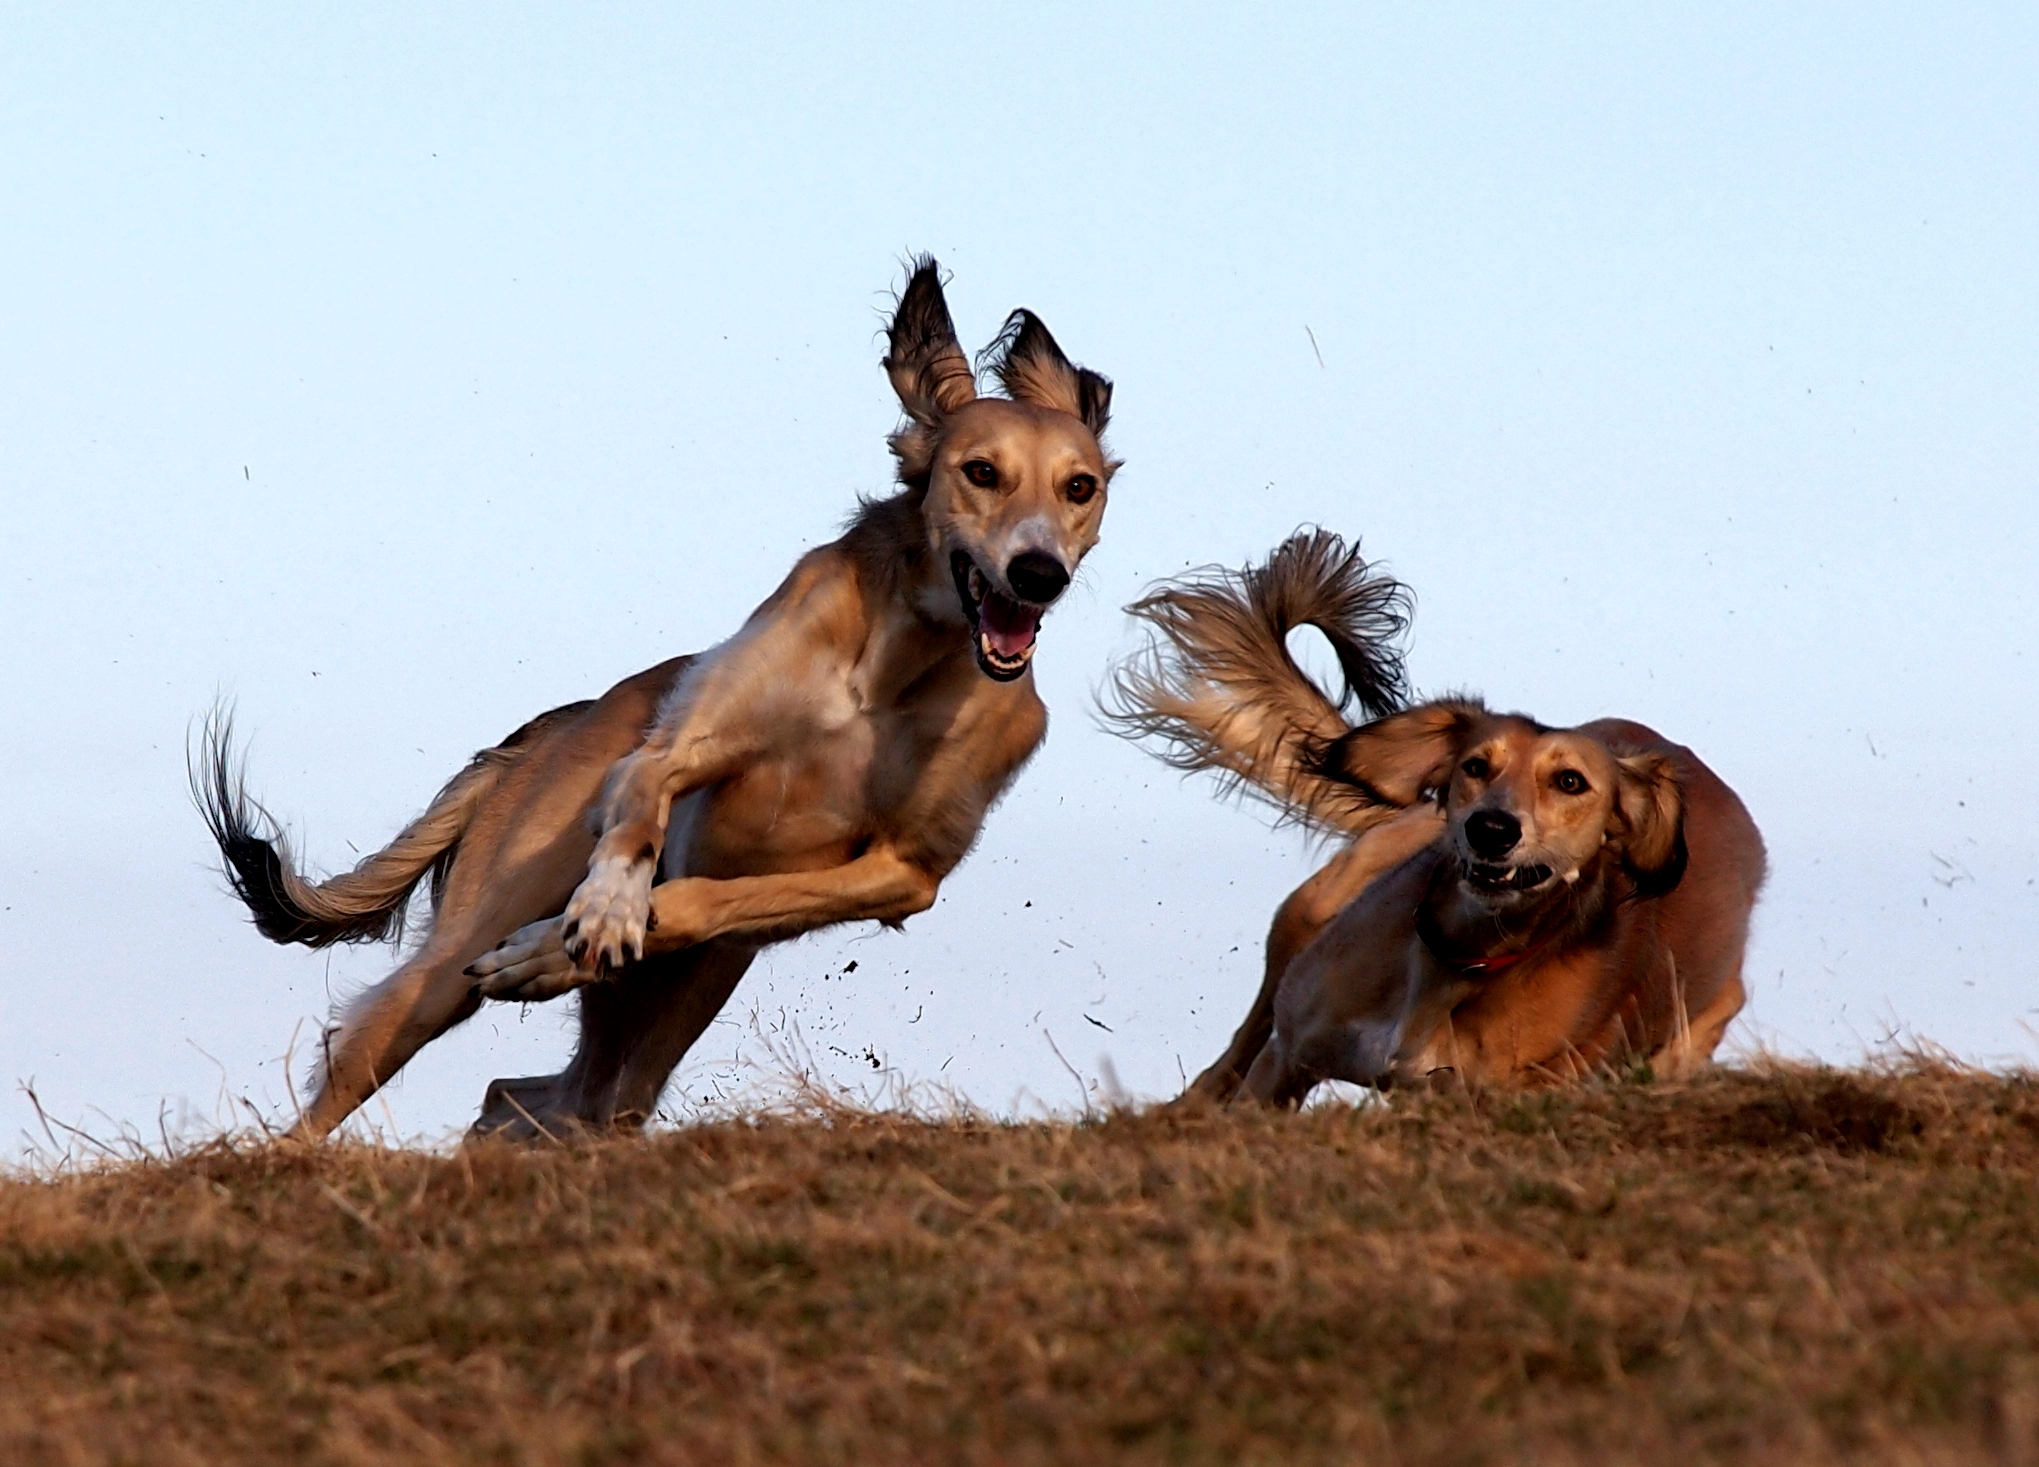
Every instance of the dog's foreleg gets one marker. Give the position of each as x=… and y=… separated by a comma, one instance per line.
x=607, y=918
x=1272, y=1079
x=1298, y=921
x=1691, y=1049
x=537, y=963
x=634, y=1030
x=879, y=886
x=754, y=693
x=660, y=1023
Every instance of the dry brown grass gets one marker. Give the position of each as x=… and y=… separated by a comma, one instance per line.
x=1771, y=1265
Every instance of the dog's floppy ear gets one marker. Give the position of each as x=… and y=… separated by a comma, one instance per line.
x=923, y=357
x=1649, y=806
x=1393, y=760
x=1031, y=368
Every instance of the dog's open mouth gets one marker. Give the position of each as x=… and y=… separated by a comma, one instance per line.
x=1488, y=877
x=1004, y=628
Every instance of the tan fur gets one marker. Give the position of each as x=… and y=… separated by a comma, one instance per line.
x=371, y=901
x=1632, y=947
x=1596, y=964
x=1217, y=689
x=1396, y=836
x=832, y=762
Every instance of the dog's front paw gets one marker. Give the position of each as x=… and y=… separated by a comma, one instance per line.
x=528, y=966
x=605, y=923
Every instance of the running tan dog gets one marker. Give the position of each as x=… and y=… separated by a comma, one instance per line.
x=831, y=762
x=1521, y=904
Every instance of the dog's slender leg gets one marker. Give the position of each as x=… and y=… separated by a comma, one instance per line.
x=422, y=999
x=1298, y=921
x=634, y=1030
x=1692, y=1050
x=431, y=991
x=636, y=1027
x=660, y=1023
x=535, y=964
x=1272, y=1080
x=878, y=886
x=734, y=706
x=491, y=891
x=518, y=860
x=391, y=1022
x=614, y=918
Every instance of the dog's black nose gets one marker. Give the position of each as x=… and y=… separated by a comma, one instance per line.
x=1036, y=576
x=1492, y=833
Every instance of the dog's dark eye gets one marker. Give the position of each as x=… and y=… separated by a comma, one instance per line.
x=981, y=473
x=1570, y=781
x=1476, y=768
x=1080, y=489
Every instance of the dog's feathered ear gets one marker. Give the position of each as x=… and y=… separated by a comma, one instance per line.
x=1650, y=808
x=1031, y=368
x=1394, y=760
x=923, y=357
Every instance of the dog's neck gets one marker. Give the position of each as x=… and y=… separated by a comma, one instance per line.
x=1468, y=937
x=914, y=629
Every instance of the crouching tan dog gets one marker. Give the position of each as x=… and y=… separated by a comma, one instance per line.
x=1521, y=904
x=831, y=762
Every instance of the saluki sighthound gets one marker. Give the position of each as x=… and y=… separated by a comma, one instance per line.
x=831, y=762
x=1520, y=904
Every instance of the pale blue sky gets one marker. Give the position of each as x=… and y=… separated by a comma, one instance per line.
x=400, y=375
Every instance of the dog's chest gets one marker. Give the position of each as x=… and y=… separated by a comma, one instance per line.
x=815, y=802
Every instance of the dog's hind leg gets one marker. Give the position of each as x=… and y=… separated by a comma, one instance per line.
x=519, y=860
x=665, y=1025
x=635, y=1029
x=381, y=1030
x=427, y=995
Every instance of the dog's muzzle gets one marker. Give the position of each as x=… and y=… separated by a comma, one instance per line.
x=1003, y=628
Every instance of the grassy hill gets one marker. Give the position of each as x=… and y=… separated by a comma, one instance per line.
x=1779, y=1264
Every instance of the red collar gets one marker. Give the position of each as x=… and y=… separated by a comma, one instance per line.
x=1500, y=963
x=1426, y=928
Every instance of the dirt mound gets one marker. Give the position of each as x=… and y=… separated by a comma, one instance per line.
x=1761, y=1265
x=1833, y=1110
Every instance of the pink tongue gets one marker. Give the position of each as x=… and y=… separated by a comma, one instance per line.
x=1008, y=625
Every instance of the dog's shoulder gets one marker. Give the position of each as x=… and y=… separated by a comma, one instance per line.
x=822, y=596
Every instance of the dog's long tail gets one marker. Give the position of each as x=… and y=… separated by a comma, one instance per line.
x=1217, y=689
x=368, y=903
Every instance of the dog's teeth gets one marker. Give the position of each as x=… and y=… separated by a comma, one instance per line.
x=998, y=661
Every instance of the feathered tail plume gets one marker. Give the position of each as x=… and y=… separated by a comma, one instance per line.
x=1217, y=688
x=368, y=903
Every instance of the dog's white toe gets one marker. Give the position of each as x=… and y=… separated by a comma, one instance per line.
x=607, y=919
